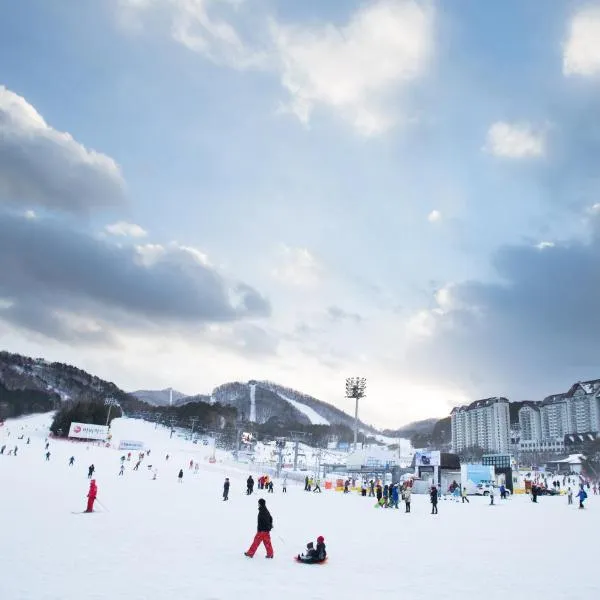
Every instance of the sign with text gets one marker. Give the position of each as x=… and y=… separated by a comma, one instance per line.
x=87, y=431
x=130, y=445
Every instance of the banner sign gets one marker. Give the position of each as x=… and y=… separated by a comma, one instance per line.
x=427, y=458
x=130, y=445
x=87, y=431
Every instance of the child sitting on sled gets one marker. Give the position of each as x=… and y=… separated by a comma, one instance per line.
x=314, y=555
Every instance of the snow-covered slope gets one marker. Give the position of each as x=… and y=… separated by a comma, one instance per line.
x=313, y=415
x=157, y=539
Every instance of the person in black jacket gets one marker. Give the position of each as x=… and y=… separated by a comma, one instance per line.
x=265, y=524
x=226, y=489
x=434, y=500
x=249, y=485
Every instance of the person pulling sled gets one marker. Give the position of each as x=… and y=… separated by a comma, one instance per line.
x=263, y=535
x=314, y=555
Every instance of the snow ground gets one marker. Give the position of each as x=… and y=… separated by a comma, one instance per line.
x=313, y=415
x=161, y=540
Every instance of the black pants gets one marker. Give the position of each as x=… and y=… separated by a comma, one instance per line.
x=581, y=504
x=434, y=510
x=465, y=499
x=407, y=507
x=284, y=490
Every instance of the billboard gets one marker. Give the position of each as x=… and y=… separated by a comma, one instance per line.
x=427, y=458
x=473, y=475
x=130, y=445
x=87, y=431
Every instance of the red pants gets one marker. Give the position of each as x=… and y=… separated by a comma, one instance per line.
x=90, y=504
x=265, y=538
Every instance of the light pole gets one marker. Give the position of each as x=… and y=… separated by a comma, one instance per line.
x=110, y=402
x=356, y=388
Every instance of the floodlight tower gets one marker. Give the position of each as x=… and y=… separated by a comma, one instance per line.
x=110, y=402
x=356, y=388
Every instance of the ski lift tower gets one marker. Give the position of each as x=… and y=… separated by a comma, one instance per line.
x=280, y=445
x=356, y=388
x=297, y=437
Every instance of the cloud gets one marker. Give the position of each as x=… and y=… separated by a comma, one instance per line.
x=581, y=50
x=543, y=245
x=534, y=328
x=48, y=270
x=353, y=69
x=514, y=140
x=122, y=228
x=297, y=267
x=45, y=167
x=337, y=314
x=434, y=216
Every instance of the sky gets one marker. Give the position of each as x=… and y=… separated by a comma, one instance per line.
x=201, y=191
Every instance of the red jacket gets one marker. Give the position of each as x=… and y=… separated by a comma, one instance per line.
x=93, y=490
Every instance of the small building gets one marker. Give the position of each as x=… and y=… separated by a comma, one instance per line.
x=572, y=464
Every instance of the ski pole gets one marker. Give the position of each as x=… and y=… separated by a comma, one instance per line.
x=102, y=505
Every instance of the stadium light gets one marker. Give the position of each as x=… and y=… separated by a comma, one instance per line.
x=356, y=388
x=110, y=402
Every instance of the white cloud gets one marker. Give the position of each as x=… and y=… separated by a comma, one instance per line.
x=514, y=140
x=544, y=245
x=594, y=209
x=297, y=267
x=352, y=69
x=434, y=216
x=123, y=228
x=581, y=51
x=30, y=214
x=46, y=167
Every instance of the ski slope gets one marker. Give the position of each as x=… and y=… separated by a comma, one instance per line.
x=314, y=417
x=158, y=539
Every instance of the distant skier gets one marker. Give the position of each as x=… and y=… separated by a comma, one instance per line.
x=582, y=495
x=306, y=484
x=47, y=455
x=28, y=441
x=180, y=476
x=137, y=465
x=317, y=486
x=569, y=496
x=285, y=484
x=3, y=449
x=91, y=496
x=122, y=470
x=17, y=449
x=91, y=470
x=433, y=497
x=270, y=486
x=226, y=489
x=71, y=461
x=407, y=497
x=249, y=485
x=191, y=464
x=47, y=445
x=263, y=535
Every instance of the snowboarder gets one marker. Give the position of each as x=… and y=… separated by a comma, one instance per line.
x=407, y=495
x=71, y=461
x=91, y=496
x=180, y=476
x=582, y=495
x=314, y=555
x=263, y=535
x=249, y=485
x=285, y=484
x=91, y=470
x=433, y=496
x=226, y=489
x=121, y=471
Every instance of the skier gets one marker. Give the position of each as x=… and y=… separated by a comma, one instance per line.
x=92, y=493
x=226, y=489
x=569, y=496
x=91, y=470
x=137, y=465
x=265, y=524
x=314, y=555
x=433, y=496
x=492, y=495
x=47, y=455
x=317, y=486
x=249, y=485
x=407, y=495
x=71, y=461
x=582, y=495
x=28, y=441
x=285, y=484
x=270, y=486
x=122, y=470
x=180, y=476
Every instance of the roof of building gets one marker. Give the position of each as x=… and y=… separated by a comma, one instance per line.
x=536, y=404
x=480, y=404
x=554, y=399
x=589, y=387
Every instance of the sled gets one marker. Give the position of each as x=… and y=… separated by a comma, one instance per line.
x=322, y=562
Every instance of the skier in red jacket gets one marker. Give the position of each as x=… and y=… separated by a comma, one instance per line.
x=92, y=493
